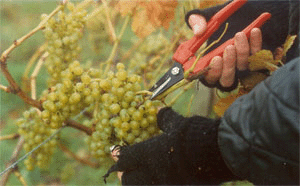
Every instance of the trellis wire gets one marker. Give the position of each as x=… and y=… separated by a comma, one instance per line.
x=37, y=147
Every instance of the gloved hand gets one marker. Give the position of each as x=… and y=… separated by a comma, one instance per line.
x=186, y=153
x=225, y=71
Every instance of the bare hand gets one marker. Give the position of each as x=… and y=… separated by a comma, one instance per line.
x=235, y=56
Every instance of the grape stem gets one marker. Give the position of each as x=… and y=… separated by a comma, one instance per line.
x=190, y=105
x=35, y=73
x=20, y=177
x=71, y=123
x=74, y=156
x=35, y=56
x=116, y=45
x=110, y=25
x=12, y=160
x=132, y=49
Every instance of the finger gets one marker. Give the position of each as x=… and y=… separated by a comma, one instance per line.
x=242, y=50
x=215, y=72
x=255, y=40
x=229, y=66
x=198, y=24
x=115, y=153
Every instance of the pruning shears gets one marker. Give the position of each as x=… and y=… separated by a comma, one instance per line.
x=185, y=60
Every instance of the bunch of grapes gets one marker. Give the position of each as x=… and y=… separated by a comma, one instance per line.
x=122, y=116
x=62, y=35
x=34, y=131
x=76, y=92
x=154, y=45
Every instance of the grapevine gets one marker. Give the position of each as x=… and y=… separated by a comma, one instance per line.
x=102, y=99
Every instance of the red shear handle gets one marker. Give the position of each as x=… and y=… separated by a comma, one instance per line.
x=188, y=48
x=205, y=60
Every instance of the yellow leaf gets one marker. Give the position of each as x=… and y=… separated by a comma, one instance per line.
x=288, y=43
x=140, y=24
x=223, y=104
x=126, y=7
x=262, y=60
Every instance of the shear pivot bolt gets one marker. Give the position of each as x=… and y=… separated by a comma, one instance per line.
x=175, y=70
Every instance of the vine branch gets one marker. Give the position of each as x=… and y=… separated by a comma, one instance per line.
x=74, y=156
x=14, y=87
x=71, y=123
x=10, y=136
x=22, y=39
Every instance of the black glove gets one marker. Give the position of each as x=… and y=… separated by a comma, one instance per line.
x=186, y=153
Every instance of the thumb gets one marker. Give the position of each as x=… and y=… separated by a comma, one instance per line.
x=198, y=24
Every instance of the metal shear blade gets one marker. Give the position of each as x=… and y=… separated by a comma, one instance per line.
x=171, y=77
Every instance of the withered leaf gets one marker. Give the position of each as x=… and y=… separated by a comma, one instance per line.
x=141, y=25
x=126, y=7
x=252, y=80
x=262, y=60
x=288, y=43
x=160, y=13
x=148, y=15
x=223, y=104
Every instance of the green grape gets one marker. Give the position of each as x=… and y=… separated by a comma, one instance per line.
x=152, y=110
x=120, y=66
x=144, y=135
x=116, y=82
x=79, y=86
x=85, y=78
x=125, y=104
x=74, y=98
x=144, y=123
x=89, y=99
x=78, y=71
x=134, y=125
x=125, y=126
x=63, y=98
x=95, y=93
x=86, y=91
x=131, y=110
x=114, y=108
x=121, y=75
x=130, y=138
x=52, y=96
x=129, y=96
x=124, y=115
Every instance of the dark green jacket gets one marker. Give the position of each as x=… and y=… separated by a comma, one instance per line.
x=259, y=133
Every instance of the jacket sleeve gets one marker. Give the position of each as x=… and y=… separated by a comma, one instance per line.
x=259, y=133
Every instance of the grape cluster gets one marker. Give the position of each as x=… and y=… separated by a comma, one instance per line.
x=155, y=44
x=123, y=116
x=34, y=131
x=62, y=35
x=68, y=98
